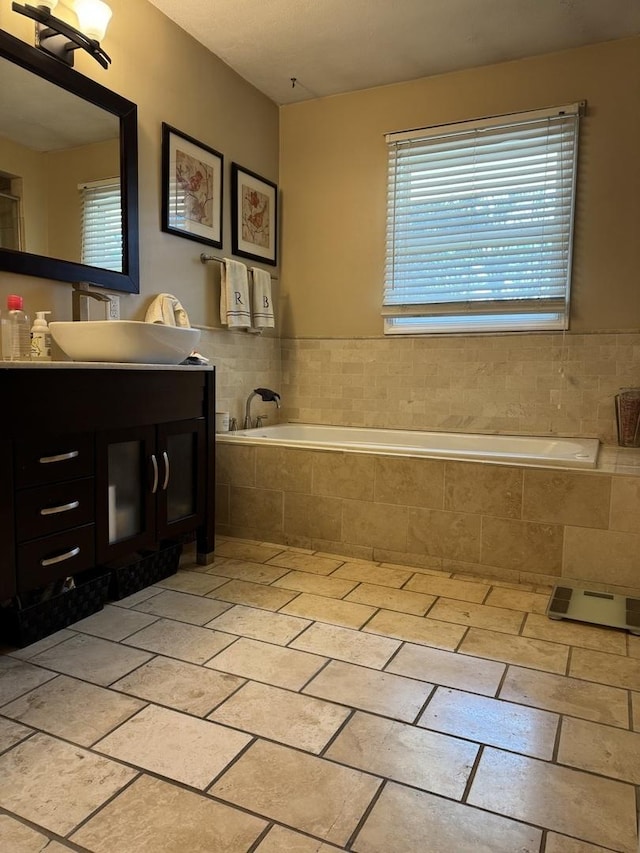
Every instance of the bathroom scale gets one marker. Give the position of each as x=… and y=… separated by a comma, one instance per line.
x=598, y=608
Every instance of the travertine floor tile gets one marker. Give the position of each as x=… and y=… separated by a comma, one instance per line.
x=561, y=844
x=92, y=659
x=16, y=837
x=153, y=816
x=605, y=668
x=370, y=690
x=184, y=607
x=259, y=624
x=253, y=594
x=575, y=634
x=281, y=840
x=42, y=645
x=316, y=584
x=566, y=696
x=600, y=749
x=17, y=677
x=567, y=801
x=491, y=721
x=60, y=708
x=281, y=715
x=57, y=785
x=391, y=599
x=305, y=562
x=634, y=646
x=302, y=791
x=237, y=550
x=403, y=818
x=10, y=734
x=113, y=623
x=136, y=597
x=330, y=610
x=438, y=585
x=422, y=759
x=268, y=663
x=344, y=644
x=181, y=640
x=175, y=745
x=370, y=573
x=183, y=686
x=416, y=629
x=524, y=651
x=447, y=669
x=197, y=583
x=516, y=599
x=635, y=703
x=252, y=572
x=477, y=615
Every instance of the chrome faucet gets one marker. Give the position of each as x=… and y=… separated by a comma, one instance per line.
x=266, y=395
x=80, y=300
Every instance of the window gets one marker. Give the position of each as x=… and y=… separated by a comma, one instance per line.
x=479, y=224
x=102, y=224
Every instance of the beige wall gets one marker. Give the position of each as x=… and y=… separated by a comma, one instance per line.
x=333, y=171
x=30, y=167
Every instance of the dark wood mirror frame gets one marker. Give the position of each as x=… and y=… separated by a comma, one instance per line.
x=128, y=281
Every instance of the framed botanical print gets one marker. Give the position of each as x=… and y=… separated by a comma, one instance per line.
x=192, y=178
x=254, y=216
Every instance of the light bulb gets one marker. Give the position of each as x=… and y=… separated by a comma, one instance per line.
x=93, y=17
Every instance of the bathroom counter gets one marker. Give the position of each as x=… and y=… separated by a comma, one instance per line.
x=97, y=365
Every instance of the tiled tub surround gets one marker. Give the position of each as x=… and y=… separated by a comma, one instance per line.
x=285, y=700
x=533, y=384
x=511, y=522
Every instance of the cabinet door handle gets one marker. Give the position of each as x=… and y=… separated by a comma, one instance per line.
x=60, y=457
x=54, y=510
x=165, y=456
x=50, y=561
x=154, y=462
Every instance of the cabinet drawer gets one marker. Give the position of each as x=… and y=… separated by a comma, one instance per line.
x=49, y=509
x=53, y=460
x=44, y=560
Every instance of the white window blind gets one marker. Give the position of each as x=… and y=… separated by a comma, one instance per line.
x=102, y=224
x=480, y=224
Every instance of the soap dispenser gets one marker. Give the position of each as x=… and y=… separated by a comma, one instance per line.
x=41, y=338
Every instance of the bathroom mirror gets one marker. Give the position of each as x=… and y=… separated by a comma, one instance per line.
x=65, y=141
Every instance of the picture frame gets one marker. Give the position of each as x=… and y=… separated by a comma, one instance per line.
x=192, y=188
x=254, y=216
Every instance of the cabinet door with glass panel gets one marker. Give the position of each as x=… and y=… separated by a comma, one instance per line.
x=181, y=451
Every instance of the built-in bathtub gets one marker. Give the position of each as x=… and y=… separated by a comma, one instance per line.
x=508, y=449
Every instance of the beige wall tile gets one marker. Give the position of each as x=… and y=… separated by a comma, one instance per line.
x=522, y=545
x=374, y=525
x=575, y=634
x=598, y=810
x=412, y=482
x=484, y=489
x=635, y=700
x=235, y=465
x=537, y=654
x=600, y=749
x=222, y=504
x=625, y=504
x=605, y=556
x=343, y=475
x=565, y=497
x=313, y=516
x=283, y=469
x=259, y=509
x=478, y=615
x=444, y=534
x=416, y=629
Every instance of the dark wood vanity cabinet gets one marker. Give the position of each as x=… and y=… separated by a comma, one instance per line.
x=99, y=463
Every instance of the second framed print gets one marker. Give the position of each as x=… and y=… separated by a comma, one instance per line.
x=192, y=176
x=254, y=216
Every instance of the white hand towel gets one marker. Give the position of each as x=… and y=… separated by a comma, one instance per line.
x=234, y=295
x=166, y=309
x=262, y=314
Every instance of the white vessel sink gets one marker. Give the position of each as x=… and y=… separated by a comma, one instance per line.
x=129, y=341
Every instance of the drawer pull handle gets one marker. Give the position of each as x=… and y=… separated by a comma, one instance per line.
x=60, y=457
x=165, y=456
x=50, y=561
x=54, y=510
x=154, y=462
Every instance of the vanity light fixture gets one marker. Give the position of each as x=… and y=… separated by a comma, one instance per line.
x=60, y=38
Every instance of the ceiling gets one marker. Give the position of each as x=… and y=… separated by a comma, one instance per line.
x=335, y=46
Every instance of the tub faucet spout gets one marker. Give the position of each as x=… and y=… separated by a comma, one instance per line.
x=266, y=395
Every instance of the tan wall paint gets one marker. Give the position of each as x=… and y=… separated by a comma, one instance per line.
x=171, y=78
x=333, y=173
x=30, y=167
